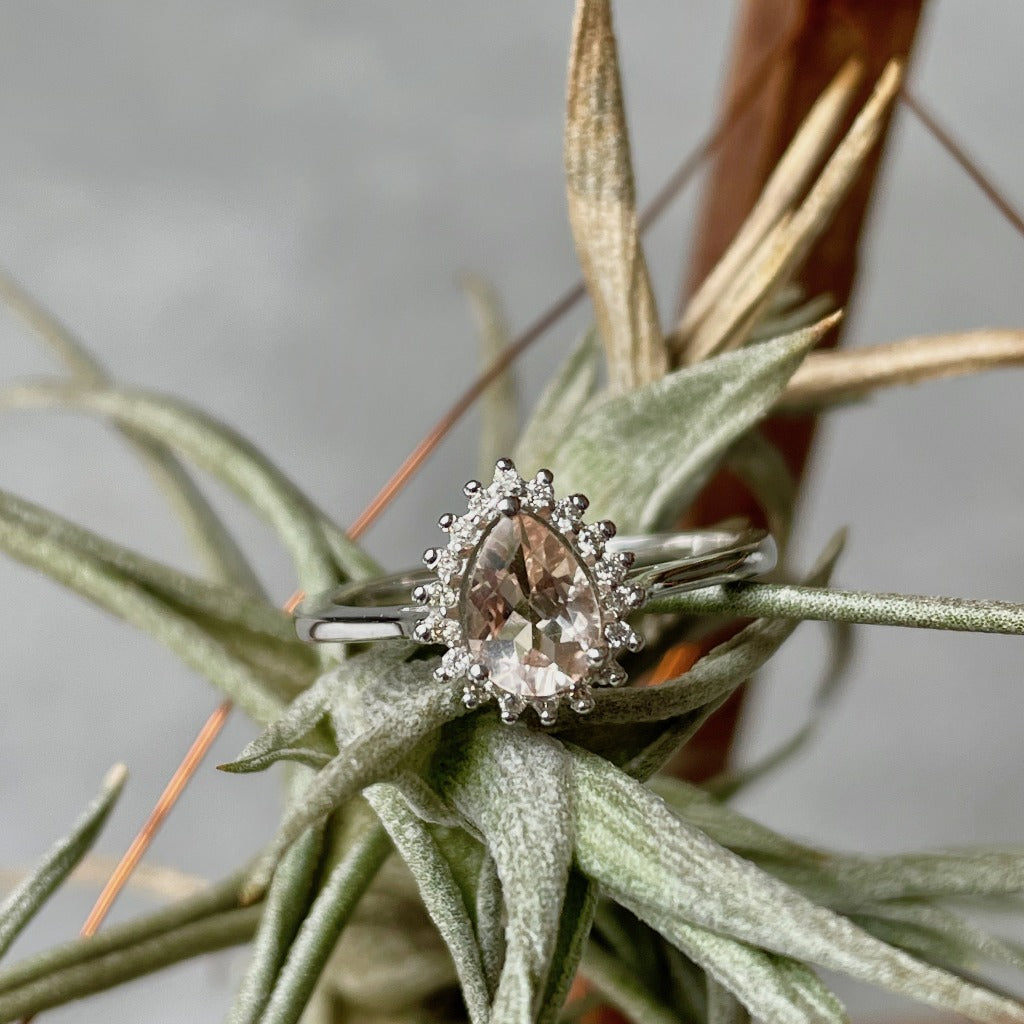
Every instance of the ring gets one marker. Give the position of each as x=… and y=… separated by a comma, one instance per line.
x=529, y=600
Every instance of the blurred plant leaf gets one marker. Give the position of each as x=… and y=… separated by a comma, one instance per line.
x=671, y=874
x=784, y=188
x=441, y=895
x=499, y=404
x=760, y=465
x=320, y=928
x=320, y=550
x=828, y=378
x=212, y=540
x=667, y=437
x=730, y=782
x=528, y=832
x=490, y=913
x=602, y=204
x=578, y=909
x=44, y=546
x=288, y=900
x=620, y=986
x=723, y=1006
x=561, y=403
x=26, y=899
x=782, y=250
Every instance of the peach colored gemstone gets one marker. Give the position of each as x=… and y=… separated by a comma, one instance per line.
x=529, y=608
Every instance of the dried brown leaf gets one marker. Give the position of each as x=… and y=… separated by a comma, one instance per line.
x=602, y=204
x=826, y=378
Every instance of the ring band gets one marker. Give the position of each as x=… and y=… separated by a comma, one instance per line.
x=666, y=564
x=531, y=602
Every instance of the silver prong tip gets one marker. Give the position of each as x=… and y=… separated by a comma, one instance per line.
x=421, y=631
x=580, y=502
x=635, y=643
x=505, y=465
x=420, y=594
x=442, y=675
x=511, y=709
x=472, y=487
x=471, y=699
x=614, y=675
x=548, y=713
x=597, y=656
x=635, y=596
x=626, y=558
x=447, y=521
x=509, y=506
x=607, y=528
x=478, y=673
x=582, y=703
x=430, y=557
x=545, y=476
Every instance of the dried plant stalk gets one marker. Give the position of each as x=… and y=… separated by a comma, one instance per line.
x=602, y=204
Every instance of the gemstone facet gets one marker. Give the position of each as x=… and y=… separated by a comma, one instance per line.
x=529, y=608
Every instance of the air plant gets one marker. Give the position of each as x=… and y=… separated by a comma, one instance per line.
x=435, y=864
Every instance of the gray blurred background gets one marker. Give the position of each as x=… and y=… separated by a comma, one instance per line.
x=265, y=208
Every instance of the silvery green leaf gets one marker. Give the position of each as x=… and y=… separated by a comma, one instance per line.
x=441, y=895
x=25, y=900
x=288, y=734
x=578, y=907
x=560, y=405
x=620, y=986
x=602, y=204
x=319, y=549
x=211, y=538
x=499, y=403
x=382, y=706
x=511, y=786
x=490, y=913
x=197, y=646
x=667, y=437
x=334, y=904
x=287, y=902
x=671, y=874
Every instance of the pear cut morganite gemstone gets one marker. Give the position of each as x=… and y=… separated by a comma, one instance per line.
x=529, y=608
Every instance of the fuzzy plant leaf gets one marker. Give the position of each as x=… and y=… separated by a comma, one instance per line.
x=778, y=600
x=26, y=899
x=723, y=1006
x=529, y=835
x=212, y=540
x=441, y=895
x=760, y=466
x=320, y=550
x=830, y=378
x=499, y=404
x=784, y=188
x=602, y=205
x=197, y=646
x=668, y=873
x=620, y=986
x=578, y=909
x=334, y=905
x=667, y=437
x=561, y=403
x=382, y=706
x=288, y=900
x=782, y=251
x=490, y=913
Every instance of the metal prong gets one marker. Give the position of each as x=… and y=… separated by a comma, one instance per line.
x=430, y=557
x=614, y=675
x=505, y=465
x=580, y=502
x=635, y=642
x=582, y=700
x=597, y=656
x=471, y=697
x=420, y=594
x=607, y=528
x=478, y=673
x=422, y=632
x=634, y=596
x=509, y=506
x=547, y=711
x=447, y=521
x=472, y=487
x=545, y=476
x=442, y=675
x=511, y=708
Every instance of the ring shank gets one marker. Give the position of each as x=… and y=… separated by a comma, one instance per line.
x=666, y=564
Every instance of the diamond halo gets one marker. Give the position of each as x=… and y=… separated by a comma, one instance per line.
x=528, y=599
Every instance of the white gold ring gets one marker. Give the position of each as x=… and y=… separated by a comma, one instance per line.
x=530, y=601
